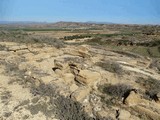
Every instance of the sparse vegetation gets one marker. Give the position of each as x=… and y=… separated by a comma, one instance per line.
x=62, y=107
x=37, y=29
x=76, y=37
x=23, y=37
x=112, y=94
x=54, y=93
x=155, y=64
x=2, y=48
x=151, y=85
x=117, y=90
x=111, y=67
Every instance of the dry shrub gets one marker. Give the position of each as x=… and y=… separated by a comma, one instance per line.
x=111, y=67
x=151, y=85
x=118, y=90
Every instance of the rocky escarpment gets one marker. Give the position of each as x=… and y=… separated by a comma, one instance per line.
x=76, y=83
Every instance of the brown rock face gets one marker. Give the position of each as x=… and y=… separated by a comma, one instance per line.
x=81, y=51
x=73, y=87
x=87, y=77
x=133, y=99
x=124, y=115
x=60, y=64
x=150, y=114
x=69, y=77
x=80, y=94
x=158, y=95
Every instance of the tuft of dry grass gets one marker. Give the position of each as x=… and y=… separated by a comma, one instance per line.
x=111, y=67
x=151, y=85
x=117, y=90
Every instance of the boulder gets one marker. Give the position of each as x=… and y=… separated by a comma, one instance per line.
x=59, y=72
x=69, y=78
x=73, y=87
x=81, y=51
x=124, y=115
x=158, y=95
x=74, y=69
x=62, y=65
x=87, y=77
x=80, y=94
x=47, y=79
x=133, y=99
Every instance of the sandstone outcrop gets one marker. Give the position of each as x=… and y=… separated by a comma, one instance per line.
x=49, y=83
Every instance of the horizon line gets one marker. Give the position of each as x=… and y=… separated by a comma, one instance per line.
x=85, y=22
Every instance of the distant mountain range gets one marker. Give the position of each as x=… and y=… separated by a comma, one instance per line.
x=61, y=22
x=21, y=22
x=94, y=22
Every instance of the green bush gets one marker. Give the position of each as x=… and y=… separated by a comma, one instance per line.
x=76, y=37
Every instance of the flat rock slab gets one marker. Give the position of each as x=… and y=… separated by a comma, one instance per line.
x=88, y=77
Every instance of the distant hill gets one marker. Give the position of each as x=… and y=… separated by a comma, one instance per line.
x=94, y=22
x=61, y=23
x=57, y=25
x=20, y=22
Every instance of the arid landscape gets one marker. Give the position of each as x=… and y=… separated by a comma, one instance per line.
x=79, y=71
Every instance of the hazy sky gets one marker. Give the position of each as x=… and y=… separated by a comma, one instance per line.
x=116, y=11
